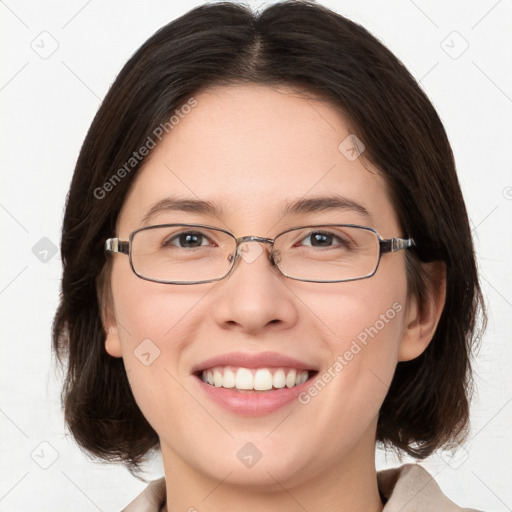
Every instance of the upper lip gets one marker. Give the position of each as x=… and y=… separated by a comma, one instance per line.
x=252, y=360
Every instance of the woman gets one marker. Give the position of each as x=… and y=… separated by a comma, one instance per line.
x=268, y=268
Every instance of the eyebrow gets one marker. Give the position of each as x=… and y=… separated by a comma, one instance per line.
x=183, y=205
x=323, y=204
x=295, y=207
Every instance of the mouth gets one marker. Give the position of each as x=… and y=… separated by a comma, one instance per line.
x=254, y=380
x=253, y=384
x=240, y=392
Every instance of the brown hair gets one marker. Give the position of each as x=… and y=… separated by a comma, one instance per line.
x=306, y=46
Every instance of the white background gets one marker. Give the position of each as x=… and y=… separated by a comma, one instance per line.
x=47, y=106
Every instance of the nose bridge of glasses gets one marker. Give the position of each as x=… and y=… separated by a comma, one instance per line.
x=249, y=255
x=244, y=239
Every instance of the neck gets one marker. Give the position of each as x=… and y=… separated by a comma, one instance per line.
x=349, y=484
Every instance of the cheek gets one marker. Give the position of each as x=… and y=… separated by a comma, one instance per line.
x=155, y=322
x=363, y=323
x=366, y=313
x=147, y=310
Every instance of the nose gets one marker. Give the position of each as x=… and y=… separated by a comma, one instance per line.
x=254, y=296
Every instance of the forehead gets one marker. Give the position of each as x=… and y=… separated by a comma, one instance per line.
x=252, y=150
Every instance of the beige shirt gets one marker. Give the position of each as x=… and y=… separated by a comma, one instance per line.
x=408, y=488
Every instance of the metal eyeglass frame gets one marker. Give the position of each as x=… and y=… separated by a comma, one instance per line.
x=116, y=245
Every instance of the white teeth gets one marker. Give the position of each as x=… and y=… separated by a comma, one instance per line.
x=228, y=380
x=217, y=378
x=244, y=379
x=279, y=379
x=291, y=379
x=261, y=379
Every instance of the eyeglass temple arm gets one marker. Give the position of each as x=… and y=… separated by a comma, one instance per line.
x=395, y=244
x=117, y=245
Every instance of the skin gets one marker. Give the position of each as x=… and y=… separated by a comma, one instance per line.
x=250, y=149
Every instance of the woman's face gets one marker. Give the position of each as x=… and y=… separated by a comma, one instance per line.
x=251, y=150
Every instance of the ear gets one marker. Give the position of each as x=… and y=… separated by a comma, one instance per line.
x=112, y=340
x=421, y=320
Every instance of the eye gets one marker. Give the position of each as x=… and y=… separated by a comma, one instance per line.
x=187, y=239
x=326, y=239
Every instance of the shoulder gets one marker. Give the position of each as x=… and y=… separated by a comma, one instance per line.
x=411, y=488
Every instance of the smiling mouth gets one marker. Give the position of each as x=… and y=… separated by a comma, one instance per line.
x=250, y=380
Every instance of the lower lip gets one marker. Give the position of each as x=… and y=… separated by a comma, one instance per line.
x=256, y=403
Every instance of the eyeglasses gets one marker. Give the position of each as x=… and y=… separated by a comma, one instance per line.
x=195, y=253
